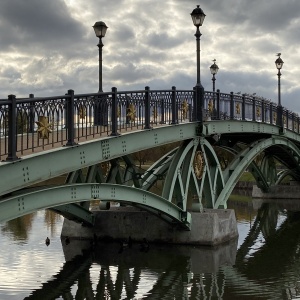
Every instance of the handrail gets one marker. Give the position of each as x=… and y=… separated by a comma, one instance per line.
x=45, y=122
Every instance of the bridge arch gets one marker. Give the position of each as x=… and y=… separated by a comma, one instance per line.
x=67, y=194
x=285, y=173
x=244, y=158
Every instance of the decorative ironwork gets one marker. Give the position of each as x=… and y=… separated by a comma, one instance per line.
x=131, y=109
x=105, y=167
x=184, y=109
x=131, y=112
x=82, y=112
x=44, y=127
x=258, y=113
x=238, y=108
x=154, y=113
x=198, y=164
x=210, y=106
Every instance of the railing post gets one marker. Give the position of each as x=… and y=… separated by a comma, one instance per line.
x=195, y=106
x=253, y=109
x=218, y=105
x=127, y=109
x=279, y=116
x=114, y=112
x=199, y=102
x=293, y=121
x=162, y=111
x=271, y=113
x=174, y=106
x=243, y=107
x=263, y=111
x=31, y=115
x=100, y=111
x=231, y=109
x=12, y=129
x=70, y=119
x=147, y=108
x=298, y=123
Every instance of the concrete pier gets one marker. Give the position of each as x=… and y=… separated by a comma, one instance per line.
x=209, y=228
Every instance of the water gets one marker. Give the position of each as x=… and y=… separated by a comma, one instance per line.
x=264, y=263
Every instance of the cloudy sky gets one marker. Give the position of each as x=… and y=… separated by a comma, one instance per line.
x=48, y=47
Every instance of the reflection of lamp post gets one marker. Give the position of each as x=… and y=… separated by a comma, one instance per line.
x=198, y=18
x=279, y=64
x=100, y=31
x=214, y=70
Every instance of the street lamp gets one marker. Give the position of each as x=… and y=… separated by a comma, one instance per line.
x=279, y=64
x=214, y=70
x=100, y=31
x=198, y=18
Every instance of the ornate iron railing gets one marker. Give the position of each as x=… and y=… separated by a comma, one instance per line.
x=34, y=124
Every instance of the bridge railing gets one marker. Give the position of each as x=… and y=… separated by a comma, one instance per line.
x=33, y=124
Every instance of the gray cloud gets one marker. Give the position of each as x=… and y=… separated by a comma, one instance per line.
x=37, y=25
x=48, y=47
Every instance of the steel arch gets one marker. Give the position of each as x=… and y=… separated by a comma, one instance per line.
x=38, y=167
x=285, y=173
x=16, y=206
x=244, y=159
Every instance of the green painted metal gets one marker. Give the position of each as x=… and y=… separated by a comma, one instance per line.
x=253, y=168
x=29, y=202
x=157, y=170
x=48, y=164
x=213, y=177
x=212, y=190
x=268, y=167
x=174, y=189
x=75, y=212
x=243, y=160
x=237, y=126
x=284, y=173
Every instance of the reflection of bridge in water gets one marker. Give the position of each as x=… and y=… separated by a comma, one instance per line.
x=261, y=266
x=163, y=272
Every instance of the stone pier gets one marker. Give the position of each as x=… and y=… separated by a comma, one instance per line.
x=209, y=228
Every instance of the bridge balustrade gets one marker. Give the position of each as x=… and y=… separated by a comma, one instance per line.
x=38, y=123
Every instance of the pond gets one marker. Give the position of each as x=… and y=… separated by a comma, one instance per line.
x=264, y=263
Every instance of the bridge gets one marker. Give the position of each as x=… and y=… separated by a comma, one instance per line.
x=91, y=138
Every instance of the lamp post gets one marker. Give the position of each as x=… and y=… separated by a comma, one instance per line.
x=214, y=70
x=279, y=64
x=100, y=31
x=198, y=18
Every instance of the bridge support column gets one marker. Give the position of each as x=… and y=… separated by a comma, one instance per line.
x=210, y=228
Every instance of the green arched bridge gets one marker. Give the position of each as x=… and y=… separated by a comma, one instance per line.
x=92, y=137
